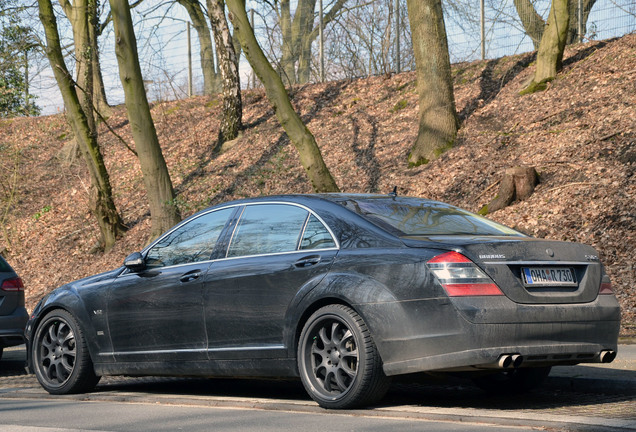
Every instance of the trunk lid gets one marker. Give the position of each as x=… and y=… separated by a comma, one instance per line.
x=528, y=270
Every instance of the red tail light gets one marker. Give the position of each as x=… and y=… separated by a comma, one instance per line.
x=606, y=288
x=461, y=277
x=13, y=284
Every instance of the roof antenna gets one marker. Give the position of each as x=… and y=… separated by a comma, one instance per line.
x=393, y=193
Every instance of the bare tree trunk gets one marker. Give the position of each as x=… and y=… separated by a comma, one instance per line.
x=550, y=54
x=534, y=25
x=102, y=205
x=573, y=30
x=303, y=140
x=211, y=83
x=232, y=120
x=438, y=118
x=532, y=22
x=99, y=92
x=298, y=35
x=288, y=57
x=161, y=195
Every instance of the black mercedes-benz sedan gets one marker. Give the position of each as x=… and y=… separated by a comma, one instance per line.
x=13, y=314
x=344, y=291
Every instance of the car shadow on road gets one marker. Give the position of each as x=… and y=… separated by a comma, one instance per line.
x=562, y=394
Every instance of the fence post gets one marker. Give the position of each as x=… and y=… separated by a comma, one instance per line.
x=254, y=30
x=322, y=45
x=398, y=58
x=189, y=61
x=482, y=21
x=580, y=13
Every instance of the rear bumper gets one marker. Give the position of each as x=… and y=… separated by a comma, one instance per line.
x=12, y=327
x=542, y=353
x=436, y=335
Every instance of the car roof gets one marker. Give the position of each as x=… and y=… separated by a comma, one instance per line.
x=331, y=197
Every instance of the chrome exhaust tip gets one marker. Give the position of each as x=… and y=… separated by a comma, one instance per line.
x=607, y=356
x=505, y=360
x=517, y=359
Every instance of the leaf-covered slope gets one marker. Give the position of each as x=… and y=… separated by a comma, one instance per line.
x=580, y=135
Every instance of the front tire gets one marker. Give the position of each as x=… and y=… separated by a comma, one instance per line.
x=338, y=361
x=61, y=359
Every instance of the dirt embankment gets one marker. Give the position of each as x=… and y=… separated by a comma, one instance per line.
x=580, y=135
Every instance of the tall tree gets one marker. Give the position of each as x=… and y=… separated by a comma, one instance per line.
x=232, y=117
x=534, y=25
x=550, y=54
x=78, y=13
x=438, y=117
x=197, y=16
x=16, y=42
x=161, y=196
x=301, y=137
x=299, y=31
x=102, y=204
x=98, y=92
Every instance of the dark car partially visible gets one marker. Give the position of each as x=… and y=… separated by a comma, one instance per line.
x=13, y=314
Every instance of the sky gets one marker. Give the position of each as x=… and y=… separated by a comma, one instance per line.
x=162, y=45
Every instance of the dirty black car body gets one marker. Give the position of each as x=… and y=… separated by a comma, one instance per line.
x=344, y=291
x=13, y=314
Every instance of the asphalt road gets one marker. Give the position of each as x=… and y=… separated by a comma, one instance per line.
x=47, y=415
x=579, y=398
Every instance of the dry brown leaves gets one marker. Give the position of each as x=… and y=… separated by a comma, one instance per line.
x=580, y=135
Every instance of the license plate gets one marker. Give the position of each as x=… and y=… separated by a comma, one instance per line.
x=559, y=276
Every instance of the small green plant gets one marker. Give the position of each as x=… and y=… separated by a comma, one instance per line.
x=400, y=105
x=44, y=210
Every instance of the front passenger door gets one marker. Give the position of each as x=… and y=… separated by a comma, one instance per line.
x=157, y=314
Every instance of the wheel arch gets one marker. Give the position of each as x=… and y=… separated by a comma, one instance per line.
x=322, y=302
x=348, y=289
x=70, y=302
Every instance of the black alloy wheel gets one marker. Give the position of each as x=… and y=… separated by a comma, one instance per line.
x=338, y=362
x=60, y=357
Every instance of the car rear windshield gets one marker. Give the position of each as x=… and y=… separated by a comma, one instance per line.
x=4, y=267
x=412, y=217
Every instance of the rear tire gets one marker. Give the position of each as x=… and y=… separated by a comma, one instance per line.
x=514, y=380
x=338, y=361
x=61, y=360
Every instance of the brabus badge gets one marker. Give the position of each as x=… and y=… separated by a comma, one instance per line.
x=496, y=256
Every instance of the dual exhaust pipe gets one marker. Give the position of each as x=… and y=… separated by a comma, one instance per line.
x=507, y=361
x=510, y=360
x=607, y=356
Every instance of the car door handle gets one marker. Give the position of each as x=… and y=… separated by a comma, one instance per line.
x=190, y=276
x=308, y=261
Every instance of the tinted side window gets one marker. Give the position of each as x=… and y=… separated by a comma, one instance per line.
x=268, y=228
x=192, y=242
x=316, y=236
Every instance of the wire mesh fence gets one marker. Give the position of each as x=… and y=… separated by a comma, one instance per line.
x=362, y=42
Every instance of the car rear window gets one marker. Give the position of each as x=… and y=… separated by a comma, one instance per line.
x=4, y=267
x=413, y=217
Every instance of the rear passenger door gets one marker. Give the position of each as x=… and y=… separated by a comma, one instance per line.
x=274, y=251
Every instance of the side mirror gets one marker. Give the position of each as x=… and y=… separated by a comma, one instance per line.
x=135, y=262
